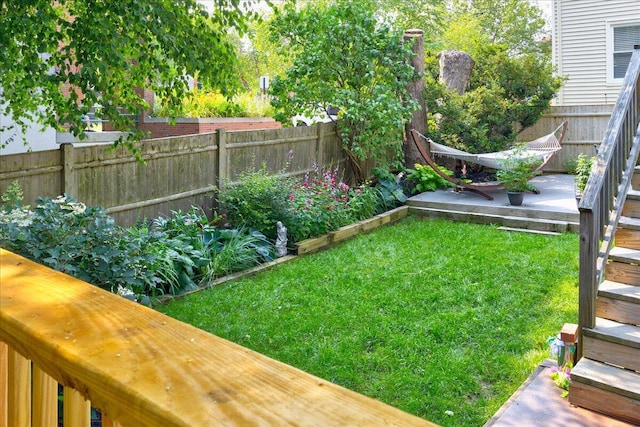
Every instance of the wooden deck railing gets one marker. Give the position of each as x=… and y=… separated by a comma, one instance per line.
x=142, y=368
x=606, y=190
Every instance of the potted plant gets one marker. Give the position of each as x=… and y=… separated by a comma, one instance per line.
x=583, y=170
x=518, y=170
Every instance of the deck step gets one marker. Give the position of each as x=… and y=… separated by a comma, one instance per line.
x=624, y=265
x=606, y=389
x=614, y=343
x=628, y=232
x=619, y=302
x=622, y=254
x=631, y=206
x=513, y=222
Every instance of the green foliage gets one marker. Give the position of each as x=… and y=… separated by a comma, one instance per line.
x=426, y=179
x=85, y=243
x=516, y=24
x=12, y=197
x=214, y=104
x=406, y=14
x=322, y=203
x=517, y=171
x=390, y=186
x=506, y=94
x=512, y=82
x=261, y=56
x=345, y=57
x=171, y=255
x=257, y=200
x=583, y=168
x=202, y=252
x=311, y=208
x=106, y=52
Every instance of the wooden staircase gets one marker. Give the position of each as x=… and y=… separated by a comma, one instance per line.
x=607, y=376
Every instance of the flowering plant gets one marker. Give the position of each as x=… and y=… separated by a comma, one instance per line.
x=563, y=352
x=562, y=378
x=323, y=202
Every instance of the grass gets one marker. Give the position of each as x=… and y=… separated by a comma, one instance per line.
x=432, y=317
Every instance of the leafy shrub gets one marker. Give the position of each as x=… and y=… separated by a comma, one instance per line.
x=213, y=104
x=426, y=179
x=391, y=188
x=583, y=168
x=506, y=94
x=170, y=255
x=258, y=200
x=85, y=243
x=201, y=252
x=12, y=197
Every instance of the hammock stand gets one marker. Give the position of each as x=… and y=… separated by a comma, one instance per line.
x=542, y=148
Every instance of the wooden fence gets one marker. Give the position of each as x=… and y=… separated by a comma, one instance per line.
x=180, y=172
x=587, y=125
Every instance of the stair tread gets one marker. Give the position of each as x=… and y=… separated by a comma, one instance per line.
x=601, y=375
x=633, y=194
x=623, y=254
x=628, y=222
x=620, y=291
x=609, y=330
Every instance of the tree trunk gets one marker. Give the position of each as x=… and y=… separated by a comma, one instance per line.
x=455, y=72
x=416, y=90
x=455, y=69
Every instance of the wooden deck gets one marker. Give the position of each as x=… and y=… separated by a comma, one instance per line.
x=142, y=368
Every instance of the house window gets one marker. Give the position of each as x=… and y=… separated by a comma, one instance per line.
x=624, y=38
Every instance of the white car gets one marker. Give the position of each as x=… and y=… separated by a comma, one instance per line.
x=331, y=115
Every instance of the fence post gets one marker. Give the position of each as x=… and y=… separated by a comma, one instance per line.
x=222, y=158
x=320, y=144
x=69, y=183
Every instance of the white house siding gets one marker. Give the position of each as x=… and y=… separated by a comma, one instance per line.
x=580, y=47
x=36, y=139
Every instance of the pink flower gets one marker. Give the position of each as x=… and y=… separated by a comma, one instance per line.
x=306, y=207
x=291, y=198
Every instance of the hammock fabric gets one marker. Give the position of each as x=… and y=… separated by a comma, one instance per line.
x=541, y=149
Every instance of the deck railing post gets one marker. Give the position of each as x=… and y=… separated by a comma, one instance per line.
x=19, y=390
x=45, y=399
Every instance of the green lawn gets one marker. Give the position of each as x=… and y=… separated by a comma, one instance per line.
x=443, y=320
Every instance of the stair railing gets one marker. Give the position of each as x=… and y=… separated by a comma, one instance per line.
x=606, y=191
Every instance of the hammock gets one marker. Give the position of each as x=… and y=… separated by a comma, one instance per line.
x=541, y=149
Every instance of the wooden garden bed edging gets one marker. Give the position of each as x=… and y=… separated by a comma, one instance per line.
x=343, y=233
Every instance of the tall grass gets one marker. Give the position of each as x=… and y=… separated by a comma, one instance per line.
x=443, y=320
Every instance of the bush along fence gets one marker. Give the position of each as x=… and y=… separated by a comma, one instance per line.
x=180, y=172
x=188, y=250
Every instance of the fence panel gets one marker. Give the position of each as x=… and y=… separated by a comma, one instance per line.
x=180, y=172
x=587, y=124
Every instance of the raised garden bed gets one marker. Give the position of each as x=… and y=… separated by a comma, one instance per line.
x=343, y=233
